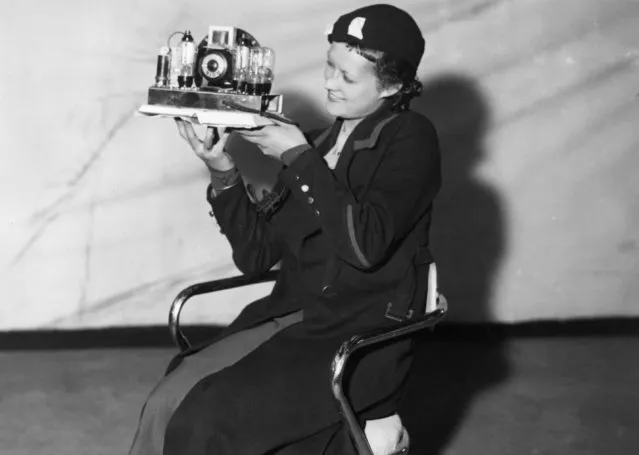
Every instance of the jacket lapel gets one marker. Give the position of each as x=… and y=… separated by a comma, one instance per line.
x=326, y=140
x=364, y=136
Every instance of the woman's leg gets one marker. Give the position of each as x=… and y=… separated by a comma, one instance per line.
x=278, y=395
x=170, y=391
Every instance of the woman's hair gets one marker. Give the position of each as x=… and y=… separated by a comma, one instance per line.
x=391, y=71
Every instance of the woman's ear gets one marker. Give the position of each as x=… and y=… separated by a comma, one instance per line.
x=390, y=90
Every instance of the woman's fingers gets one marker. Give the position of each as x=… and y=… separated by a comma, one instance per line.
x=211, y=149
x=278, y=122
x=252, y=133
x=187, y=132
x=180, y=126
x=252, y=139
x=212, y=136
x=191, y=135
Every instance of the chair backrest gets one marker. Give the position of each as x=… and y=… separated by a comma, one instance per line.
x=434, y=300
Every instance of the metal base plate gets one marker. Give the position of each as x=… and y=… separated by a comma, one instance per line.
x=203, y=99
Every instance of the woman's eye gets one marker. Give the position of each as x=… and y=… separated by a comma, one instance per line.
x=348, y=80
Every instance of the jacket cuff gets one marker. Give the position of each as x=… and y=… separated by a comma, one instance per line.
x=272, y=201
x=290, y=155
x=221, y=180
x=214, y=194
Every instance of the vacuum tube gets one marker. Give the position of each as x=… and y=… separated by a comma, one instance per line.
x=187, y=60
x=255, y=67
x=163, y=68
x=268, y=71
x=241, y=67
x=261, y=70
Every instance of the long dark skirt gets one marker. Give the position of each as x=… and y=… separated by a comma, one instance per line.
x=279, y=397
x=171, y=390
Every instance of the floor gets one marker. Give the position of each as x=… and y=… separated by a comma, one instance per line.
x=541, y=396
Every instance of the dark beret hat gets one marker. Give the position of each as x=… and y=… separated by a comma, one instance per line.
x=384, y=28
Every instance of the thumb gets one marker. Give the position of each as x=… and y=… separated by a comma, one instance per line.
x=210, y=138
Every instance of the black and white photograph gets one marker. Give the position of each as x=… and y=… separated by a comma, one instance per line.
x=319, y=227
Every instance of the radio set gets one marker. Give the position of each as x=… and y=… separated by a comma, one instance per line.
x=225, y=79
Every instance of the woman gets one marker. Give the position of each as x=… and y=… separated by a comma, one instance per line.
x=348, y=221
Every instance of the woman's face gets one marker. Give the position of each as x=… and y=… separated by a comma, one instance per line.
x=351, y=84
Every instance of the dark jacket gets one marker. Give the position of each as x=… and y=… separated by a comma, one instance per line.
x=341, y=235
x=349, y=241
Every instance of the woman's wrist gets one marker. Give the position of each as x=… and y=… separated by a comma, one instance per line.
x=221, y=164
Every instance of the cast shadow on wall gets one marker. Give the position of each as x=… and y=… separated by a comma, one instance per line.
x=468, y=242
x=467, y=238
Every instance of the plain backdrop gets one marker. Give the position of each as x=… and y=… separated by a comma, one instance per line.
x=102, y=213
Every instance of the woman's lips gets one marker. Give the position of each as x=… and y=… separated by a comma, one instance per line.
x=332, y=97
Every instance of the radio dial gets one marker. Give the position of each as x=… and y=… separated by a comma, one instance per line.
x=214, y=66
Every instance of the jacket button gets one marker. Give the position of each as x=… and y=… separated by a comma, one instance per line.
x=328, y=291
x=310, y=200
x=317, y=213
x=305, y=188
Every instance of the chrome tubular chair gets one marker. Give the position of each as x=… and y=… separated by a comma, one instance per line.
x=436, y=307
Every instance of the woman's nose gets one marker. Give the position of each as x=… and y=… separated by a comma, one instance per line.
x=330, y=83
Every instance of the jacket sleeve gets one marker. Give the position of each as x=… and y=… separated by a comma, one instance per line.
x=255, y=247
x=363, y=231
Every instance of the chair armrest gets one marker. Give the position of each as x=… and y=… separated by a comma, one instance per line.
x=207, y=287
x=365, y=339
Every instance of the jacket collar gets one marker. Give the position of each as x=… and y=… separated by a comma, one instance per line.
x=364, y=136
x=366, y=133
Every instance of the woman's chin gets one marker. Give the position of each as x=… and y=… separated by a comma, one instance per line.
x=334, y=108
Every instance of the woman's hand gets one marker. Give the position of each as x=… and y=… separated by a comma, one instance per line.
x=211, y=149
x=274, y=139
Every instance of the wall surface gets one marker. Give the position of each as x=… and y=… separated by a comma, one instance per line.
x=102, y=213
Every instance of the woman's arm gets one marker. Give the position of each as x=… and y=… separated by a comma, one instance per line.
x=362, y=232
x=255, y=247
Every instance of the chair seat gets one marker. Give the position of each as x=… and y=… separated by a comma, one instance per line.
x=387, y=436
